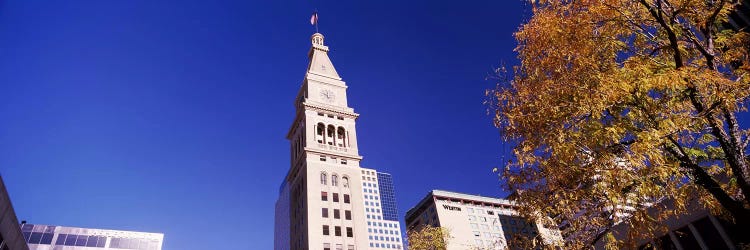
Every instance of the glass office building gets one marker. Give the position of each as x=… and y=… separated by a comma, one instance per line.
x=387, y=196
x=44, y=237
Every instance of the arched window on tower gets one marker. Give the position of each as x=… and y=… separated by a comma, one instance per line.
x=329, y=134
x=319, y=133
x=341, y=137
x=323, y=179
x=345, y=181
x=334, y=180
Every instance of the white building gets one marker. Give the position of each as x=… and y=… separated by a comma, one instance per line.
x=44, y=237
x=327, y=201
x=476, y=222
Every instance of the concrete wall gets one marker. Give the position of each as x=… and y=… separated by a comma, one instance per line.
x=9, y=227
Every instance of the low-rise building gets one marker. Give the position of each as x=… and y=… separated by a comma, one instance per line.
x=697, y=229
x=477, y=222
x=45, y=237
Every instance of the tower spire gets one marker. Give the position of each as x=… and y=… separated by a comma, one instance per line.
x=320, y=63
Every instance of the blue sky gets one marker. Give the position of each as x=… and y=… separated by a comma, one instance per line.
x=170, y=116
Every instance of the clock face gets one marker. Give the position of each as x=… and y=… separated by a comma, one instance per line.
x=327, y=95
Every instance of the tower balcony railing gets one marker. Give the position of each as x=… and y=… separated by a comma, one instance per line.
x=332, y=147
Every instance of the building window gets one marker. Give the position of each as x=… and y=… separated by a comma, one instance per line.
x=337, y=230
x=326, y=246
x=346, y=181
x=334, y=180
x=336, y=214
x=325, y=230
x=325, y=212
x=349, y=232
x=335, y=197
x=324, y=196
x=348, y=215
x=323, y=178
x=339, y=247
x=350, y=247
x=346, y=198
x=343, y=162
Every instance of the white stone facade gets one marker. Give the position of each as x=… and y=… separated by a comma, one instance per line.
x=474, y=222
x=322, y=200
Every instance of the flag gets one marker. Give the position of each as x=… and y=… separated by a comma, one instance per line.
x=314, y=18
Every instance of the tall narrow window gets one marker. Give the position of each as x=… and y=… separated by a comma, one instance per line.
x=341, y=137
x=325, y=230
x=345, y=180
x=323, y=179
x=319, y=132
x=336, y=214
x=349, y=232
x=335, y=197
x=348, y=215
x=330, y=131
x=326, y=246
x=337, y=230
x=324, y=196
x=325, y=212
x=334, y=180
x=346, y=198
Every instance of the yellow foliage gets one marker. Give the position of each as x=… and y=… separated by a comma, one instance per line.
x=428, y=238
x=622, y=104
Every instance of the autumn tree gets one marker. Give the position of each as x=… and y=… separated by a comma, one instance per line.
x=618, y=105
x=428, y=238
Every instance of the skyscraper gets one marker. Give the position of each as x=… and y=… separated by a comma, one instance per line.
x=327, y=201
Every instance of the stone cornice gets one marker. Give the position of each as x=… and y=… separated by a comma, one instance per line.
x=334, y=153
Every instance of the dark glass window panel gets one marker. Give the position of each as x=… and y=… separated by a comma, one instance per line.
x=336, y=214
x=349, y=232
x=81, y=241
x=92, y=241
x=35, y=238
x=102, y=241
x=335, y=197
x=133, y=244
x=26, y=236
x=346, y=198
x=685, y=236
x=665, y=242
x=323, y=196
x=325, y=230
x=71, y=240
x=325, y=212
x=337, y=231
x=125, y=243
x=47, y=238
x=348, y=215
x=710, y=235
x=114, y=242
x=60, y=239
x=143, y=244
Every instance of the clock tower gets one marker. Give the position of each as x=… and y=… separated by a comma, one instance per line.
x=326, y=200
